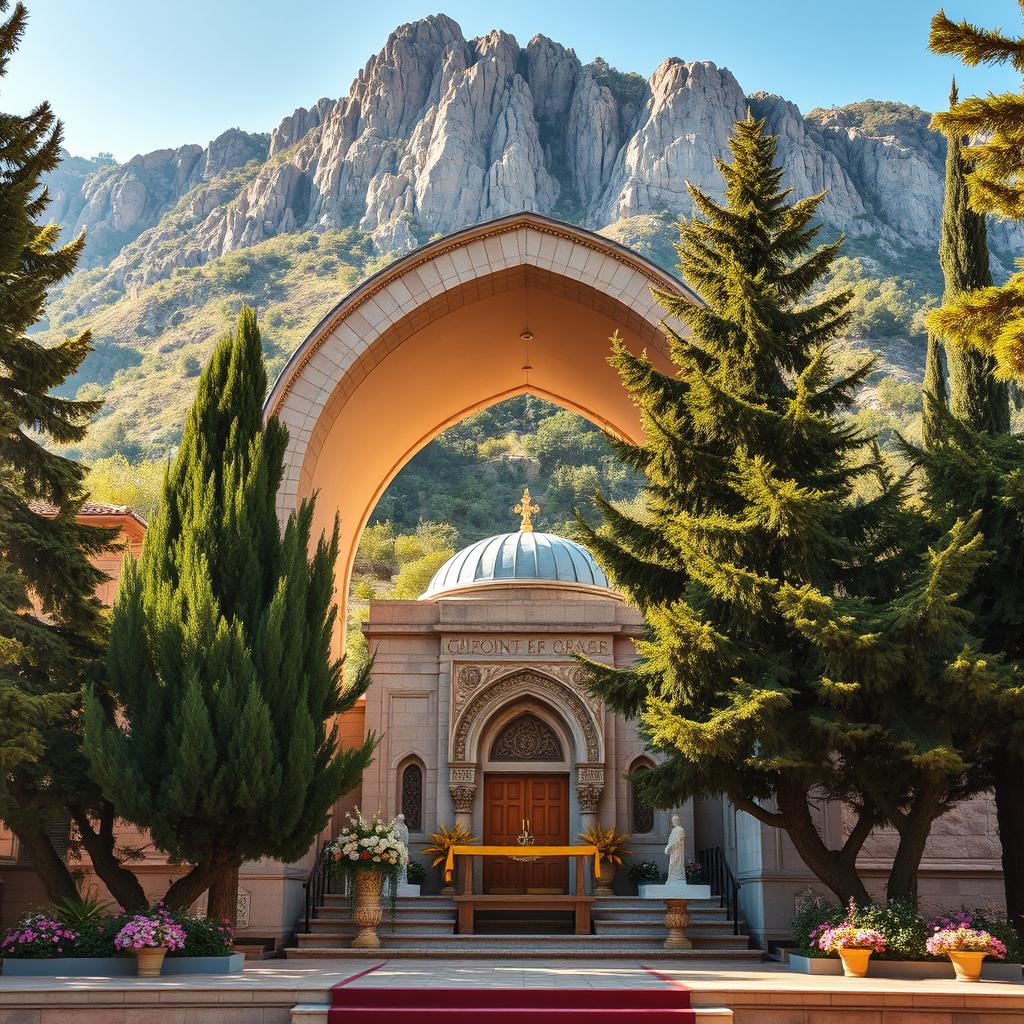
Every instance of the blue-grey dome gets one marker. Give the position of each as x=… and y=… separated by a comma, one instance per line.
x=510, y=557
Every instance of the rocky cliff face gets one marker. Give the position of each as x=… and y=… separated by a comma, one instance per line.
x=120, y=201
x=438, y=132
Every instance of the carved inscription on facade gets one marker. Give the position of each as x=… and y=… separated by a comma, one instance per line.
x=591, y=646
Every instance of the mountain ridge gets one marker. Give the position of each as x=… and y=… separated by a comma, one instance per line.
x=438, y=132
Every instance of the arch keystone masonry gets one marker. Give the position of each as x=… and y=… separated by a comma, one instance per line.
x=437, y=335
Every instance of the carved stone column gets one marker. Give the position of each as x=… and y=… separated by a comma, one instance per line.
x=462, y=787
x=589, y=787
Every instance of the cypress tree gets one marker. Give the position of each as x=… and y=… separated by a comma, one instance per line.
x=976, y=398
x=52, y=628
x=223, y=745
x=978, y=315
x=934, y=389
x=751, y=508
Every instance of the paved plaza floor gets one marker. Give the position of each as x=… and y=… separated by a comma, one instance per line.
x=264, y=993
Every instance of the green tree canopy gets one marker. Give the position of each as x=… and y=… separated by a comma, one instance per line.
x=990, y=319
x=52, y=629
x=221, y=741
x=749, y=509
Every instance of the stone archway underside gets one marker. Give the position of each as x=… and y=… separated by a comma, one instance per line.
x=437, y=335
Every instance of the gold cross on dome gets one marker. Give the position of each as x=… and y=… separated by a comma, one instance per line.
x=526, y=509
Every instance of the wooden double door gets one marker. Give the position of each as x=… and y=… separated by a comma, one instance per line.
x=509, y=800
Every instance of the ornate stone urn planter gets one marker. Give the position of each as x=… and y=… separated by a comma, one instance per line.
x=967, y=965
x=150, y=961
x=855, y=962
x=605, y=879
x=367, y=912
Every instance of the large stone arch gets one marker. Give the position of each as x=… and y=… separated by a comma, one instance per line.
x=439, y=334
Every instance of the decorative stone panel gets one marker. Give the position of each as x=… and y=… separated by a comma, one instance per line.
x=525, y=682
x=526, y=738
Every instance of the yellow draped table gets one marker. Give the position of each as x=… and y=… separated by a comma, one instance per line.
x=467, y=902
x=520, y=851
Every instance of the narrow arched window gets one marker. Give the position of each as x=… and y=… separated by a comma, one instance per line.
x=643, y=812
x=412, y=797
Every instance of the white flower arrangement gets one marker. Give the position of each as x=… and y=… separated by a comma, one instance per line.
x=368, y=844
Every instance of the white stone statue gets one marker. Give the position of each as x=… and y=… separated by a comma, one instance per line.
x=675, y=850
x=401, y=830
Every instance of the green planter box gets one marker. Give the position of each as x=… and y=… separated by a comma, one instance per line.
x=115, y=966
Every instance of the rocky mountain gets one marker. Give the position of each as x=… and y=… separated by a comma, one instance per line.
x=438, y=132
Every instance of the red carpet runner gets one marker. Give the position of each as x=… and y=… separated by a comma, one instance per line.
x=352, y=1004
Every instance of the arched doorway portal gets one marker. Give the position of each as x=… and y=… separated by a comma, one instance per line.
x=520, y=304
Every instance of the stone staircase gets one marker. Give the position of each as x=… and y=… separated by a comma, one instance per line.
x=424, y=927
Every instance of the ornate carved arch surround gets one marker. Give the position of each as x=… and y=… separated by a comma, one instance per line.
x=581, y=720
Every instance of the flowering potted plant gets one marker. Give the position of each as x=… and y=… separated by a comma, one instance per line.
x=38, y=935
x=853, y=944
x=150, y=937
x=695, y=873
x=443, y=840
x=610, y=845
x=365, y=855
x=966, y=947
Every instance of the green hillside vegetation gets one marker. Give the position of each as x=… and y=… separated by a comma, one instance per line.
x=151, y=344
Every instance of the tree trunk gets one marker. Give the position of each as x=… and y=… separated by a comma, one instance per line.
x=914, y=827
x=184, y=891
x=27, y=821
x=1008, y=770
x=46, y=863
x=100, y=844
x=222, y=903
x=837, y=869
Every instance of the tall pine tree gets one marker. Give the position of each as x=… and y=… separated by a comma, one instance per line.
x=52, y=628
x=221, y=742
x=981, y=316
x=750, y=509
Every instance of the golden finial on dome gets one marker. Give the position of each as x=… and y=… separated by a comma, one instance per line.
x=526, y=509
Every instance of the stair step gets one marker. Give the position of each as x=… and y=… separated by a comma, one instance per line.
x=456, y=944
x=570, y=950
x=466, y=1000
x=629, y=924
x=639, y=915
x=509, y=1015
x=402, y=912
x=333, y=899
x=316, y=1013
x=333, y=924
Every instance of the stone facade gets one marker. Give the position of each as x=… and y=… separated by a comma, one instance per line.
x=452, y=672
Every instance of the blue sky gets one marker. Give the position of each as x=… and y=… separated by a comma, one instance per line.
x=129, y=76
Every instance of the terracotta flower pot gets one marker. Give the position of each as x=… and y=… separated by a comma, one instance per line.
x=149, y=961
x=966, y=964
x=604, y=879
x=367, y=913
x=855, y=962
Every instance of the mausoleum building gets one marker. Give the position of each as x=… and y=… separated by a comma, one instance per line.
x=483, y=712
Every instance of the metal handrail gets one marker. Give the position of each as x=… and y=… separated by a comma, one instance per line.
x=316, y=885
x=723, y=883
